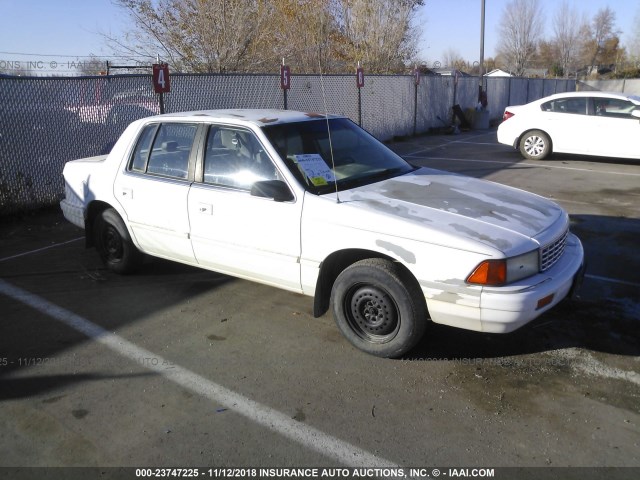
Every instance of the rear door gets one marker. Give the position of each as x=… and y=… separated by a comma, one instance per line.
x=154, y=188
x=567, y=122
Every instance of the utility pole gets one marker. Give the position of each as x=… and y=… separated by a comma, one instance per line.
x=481, y=86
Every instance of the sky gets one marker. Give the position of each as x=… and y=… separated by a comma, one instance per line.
x=53, y=36
x=455, y=24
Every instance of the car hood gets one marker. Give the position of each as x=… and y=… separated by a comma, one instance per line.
x=477, y=210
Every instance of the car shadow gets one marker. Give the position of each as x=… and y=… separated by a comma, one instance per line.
x=597, y=326
x=569, y=157
x=36, y=352
x=604, y=318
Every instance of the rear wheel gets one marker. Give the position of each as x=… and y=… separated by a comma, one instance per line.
x=379, y=307
x=114, y=244
x=535, y=145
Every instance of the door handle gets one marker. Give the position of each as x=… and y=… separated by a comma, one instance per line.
x=205, y=209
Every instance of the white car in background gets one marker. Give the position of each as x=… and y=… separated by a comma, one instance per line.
x=585, y=123
x=315, y=205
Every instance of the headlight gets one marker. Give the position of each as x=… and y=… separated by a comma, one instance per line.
x=506, y=270
x=523, y=266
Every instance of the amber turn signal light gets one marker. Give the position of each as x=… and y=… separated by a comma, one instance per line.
x=489, y=272
x=543, y=302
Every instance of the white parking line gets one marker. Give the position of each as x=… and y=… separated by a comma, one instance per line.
x=39, y=249
x=461, y=140
x=529, y=164
x=309, y=437
x=612, y=280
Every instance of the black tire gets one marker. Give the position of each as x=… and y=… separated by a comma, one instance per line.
x=114, y=244
x=379, y=307
x=535, y=145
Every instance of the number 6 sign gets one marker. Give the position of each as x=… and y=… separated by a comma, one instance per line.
x=161, y=78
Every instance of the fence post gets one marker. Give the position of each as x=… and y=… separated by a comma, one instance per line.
x=416, y=82
x=359, y=85
x=285, y=81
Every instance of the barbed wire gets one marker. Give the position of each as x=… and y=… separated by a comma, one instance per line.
x=72, y=56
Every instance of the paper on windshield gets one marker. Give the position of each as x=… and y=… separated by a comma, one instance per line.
x=315, y=169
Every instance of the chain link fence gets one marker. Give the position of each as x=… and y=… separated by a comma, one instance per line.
x=45, y=122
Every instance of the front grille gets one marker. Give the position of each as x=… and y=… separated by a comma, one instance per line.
x=552, y=252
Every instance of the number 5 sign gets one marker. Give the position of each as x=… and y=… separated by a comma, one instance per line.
x=161, y=78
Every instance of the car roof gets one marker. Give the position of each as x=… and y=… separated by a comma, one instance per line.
x=259, y=117
x=590, y=93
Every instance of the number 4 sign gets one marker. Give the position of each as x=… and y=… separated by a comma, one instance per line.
x=161, y=78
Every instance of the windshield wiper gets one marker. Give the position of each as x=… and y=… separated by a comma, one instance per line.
x=347, y=183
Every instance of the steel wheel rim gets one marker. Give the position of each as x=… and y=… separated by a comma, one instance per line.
x=534, y=146
x=372, y=313
x=112, y=244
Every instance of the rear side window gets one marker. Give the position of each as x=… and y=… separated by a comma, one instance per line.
x=164, y=150
x=576, y=106
x=141, y=153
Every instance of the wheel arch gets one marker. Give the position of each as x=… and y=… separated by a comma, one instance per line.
x=95, y=208
x=523, y=134
x=334, y=264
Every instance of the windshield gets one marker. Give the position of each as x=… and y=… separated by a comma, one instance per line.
x=358, y=157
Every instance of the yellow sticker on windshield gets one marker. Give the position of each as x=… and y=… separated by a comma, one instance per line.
x=319, y=181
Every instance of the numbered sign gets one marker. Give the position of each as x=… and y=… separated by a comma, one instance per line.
x=161, y=78
x=285, y=77
x=360, y=77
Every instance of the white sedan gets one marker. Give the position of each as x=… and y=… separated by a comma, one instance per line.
x=314, y=204
x=585, y=123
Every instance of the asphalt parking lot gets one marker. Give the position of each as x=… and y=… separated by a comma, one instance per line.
x=181, y=367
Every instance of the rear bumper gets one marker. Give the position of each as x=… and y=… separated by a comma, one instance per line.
x=73, y=213
x=503, y=310
x=507, y=136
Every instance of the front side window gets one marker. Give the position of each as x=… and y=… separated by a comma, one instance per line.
x=347, y=158
x=613, y=107
x=234, y=158
x=164, y=150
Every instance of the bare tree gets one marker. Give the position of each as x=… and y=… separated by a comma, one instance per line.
x=253, y=35
x=378, y=33
x=634, y=39
x=93, y=66
x=304, y=33
x=600, y=34
x=520, y=30
x=568, y=28
x=453, y=59
x=195, y=35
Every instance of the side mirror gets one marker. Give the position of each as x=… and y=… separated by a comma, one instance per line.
x=636, y=113
x=274, y=189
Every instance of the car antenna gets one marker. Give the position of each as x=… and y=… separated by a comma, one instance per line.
x=326, y=111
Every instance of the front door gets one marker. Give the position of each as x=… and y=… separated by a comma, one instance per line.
x=233, y=231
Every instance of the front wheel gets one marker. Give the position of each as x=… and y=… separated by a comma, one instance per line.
x=114, y=244
x=379, y=307
x=535, y=145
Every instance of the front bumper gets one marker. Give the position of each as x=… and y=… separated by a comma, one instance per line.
x=505, y=309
